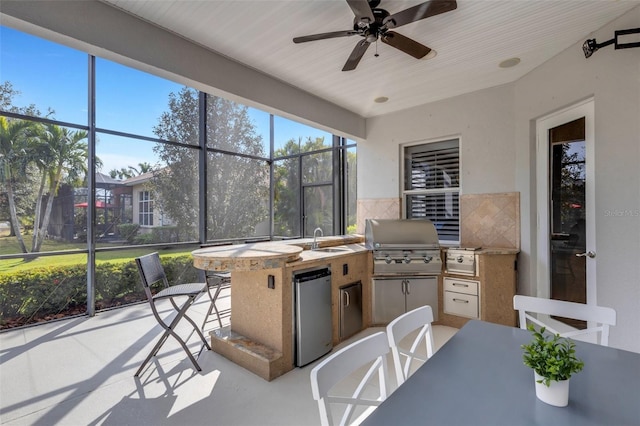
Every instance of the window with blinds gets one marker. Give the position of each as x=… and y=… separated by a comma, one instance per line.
x=432, y=185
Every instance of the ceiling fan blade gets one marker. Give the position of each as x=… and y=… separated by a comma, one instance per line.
x=356, y=55
x=361, y=9
x=323, y=36
x=407, y=45
x=420, y=11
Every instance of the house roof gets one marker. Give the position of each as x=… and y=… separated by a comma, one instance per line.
x=106, y=181
x=137, y=180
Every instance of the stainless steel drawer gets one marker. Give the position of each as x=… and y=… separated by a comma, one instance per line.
x=461, y=286
x=464, y=305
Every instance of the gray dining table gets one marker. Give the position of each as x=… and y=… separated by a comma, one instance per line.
x=478, y=378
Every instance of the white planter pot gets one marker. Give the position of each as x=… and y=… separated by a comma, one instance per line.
x=557, y=393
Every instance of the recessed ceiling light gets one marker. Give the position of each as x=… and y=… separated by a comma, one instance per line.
x=508, y=63
x=381, y=99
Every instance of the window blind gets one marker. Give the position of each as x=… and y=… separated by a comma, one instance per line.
x=432, y=185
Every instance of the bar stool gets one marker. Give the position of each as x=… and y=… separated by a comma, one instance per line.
x=216, y=281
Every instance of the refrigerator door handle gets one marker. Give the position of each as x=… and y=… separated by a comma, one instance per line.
x=347, y=302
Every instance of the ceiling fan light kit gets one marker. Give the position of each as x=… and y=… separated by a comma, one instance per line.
x=373, y=24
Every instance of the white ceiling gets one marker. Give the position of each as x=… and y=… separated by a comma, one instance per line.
x=470, y=41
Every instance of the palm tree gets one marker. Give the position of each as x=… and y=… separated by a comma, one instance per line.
x=62, y=153
x=15, y=151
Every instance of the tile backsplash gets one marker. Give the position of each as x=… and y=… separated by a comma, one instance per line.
x=378, y=208
x=490, y=220
x=486, y=220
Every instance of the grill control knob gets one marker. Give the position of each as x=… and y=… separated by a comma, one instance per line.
x=428, y=259
x=387, y=259
x=406, y=259
x=460, y=259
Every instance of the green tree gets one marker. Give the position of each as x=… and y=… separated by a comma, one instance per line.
x=7, y=100
x=21, y=185
x=63, y=155
x=15, y=155
x=130, y=171
x=237, y=185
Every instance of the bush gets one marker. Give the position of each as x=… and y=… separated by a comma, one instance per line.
x=142, y=239
x=41, y=291
x=128, y=231
x=165, y=234
x=46, y=291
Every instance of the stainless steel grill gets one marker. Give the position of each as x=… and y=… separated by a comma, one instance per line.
x=403, y=246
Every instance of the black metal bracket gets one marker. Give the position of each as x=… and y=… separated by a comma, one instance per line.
x=590, y=45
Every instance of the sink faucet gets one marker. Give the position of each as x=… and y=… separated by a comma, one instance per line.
x=314, y=245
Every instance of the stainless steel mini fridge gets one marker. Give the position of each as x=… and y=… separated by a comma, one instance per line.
x=313, y=330
x=350, y=309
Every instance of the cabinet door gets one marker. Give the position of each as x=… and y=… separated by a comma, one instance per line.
x=423, y=291
x=388, y=300
x=350, y=310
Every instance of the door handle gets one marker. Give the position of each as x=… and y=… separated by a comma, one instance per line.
x=347, y=302
x=588, y=254
x=408, y=287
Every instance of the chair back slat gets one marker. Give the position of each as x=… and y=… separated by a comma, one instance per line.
x=398, y=329
x=600, y=317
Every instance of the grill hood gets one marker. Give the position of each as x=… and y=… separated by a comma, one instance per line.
x=400, y=233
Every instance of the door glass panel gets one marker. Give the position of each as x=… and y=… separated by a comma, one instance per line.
x=568, y=213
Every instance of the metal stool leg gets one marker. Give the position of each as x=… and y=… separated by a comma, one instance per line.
x=169, y=330
x=214, y=297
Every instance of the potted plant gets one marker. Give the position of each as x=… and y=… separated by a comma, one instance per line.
x=553, y=360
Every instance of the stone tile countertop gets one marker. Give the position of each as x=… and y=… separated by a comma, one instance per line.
x=490, y=250
x=273, y=254
x=329, y=252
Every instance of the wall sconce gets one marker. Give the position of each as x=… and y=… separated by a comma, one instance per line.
x=590, y=45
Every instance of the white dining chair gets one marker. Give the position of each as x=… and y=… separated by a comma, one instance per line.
x=420, y=320
x=338, y=381
x=599, y=318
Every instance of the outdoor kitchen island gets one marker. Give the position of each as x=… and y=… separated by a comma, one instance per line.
x=260, y=337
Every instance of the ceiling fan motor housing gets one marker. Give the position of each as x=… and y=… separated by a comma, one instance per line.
x=372, y=30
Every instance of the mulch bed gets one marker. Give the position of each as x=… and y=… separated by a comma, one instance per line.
x=21, y=321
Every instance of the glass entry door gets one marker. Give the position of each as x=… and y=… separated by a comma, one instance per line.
x=568, y=213
x=566, y=266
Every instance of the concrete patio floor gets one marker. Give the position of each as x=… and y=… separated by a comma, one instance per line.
x=79, y=371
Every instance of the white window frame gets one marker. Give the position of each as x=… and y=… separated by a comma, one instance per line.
x=145, y=217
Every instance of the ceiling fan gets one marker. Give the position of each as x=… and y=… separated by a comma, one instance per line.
x=373, y=23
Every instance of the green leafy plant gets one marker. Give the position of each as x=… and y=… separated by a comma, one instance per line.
x=551, y=357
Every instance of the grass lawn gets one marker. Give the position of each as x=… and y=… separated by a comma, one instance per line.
x=9, y=245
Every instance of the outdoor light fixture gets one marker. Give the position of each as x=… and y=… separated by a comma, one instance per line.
x=590, y=45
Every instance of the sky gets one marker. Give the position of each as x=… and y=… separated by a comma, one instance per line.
x=50, y=75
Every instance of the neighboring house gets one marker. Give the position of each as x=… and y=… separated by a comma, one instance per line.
x=147, y=209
